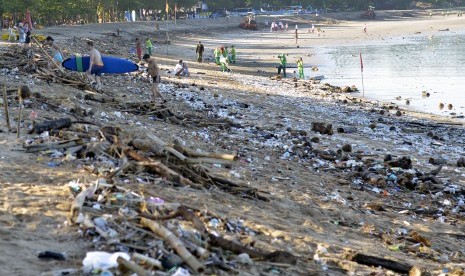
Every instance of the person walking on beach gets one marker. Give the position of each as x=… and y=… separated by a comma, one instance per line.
x=139, y=49
x=217, y=54
x=296, y=36
x=365, y=28
x=199, y=51
x=282, y=65
x=153, y=72
x=57, y=54
x=95, y=66
x=300, y=66
x=148, y=46
x=233, y=55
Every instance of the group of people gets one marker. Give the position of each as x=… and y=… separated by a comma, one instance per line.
x=148, y=47
x=277, y=26
x=224, y=57
x=283, y=65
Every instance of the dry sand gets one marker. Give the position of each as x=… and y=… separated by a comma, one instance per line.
x=304, y=210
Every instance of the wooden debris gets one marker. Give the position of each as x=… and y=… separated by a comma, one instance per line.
x=386, y=263
x=5, y=106
x=177, y=244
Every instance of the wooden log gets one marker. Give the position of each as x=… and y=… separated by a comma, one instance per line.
x=133, y=267
x=51, y=125
x=151, y=261
x=166, y=147
x=177, y=245
x=5, y=106
x=395, y=266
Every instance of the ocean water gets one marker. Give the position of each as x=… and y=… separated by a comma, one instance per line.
x=403, y=70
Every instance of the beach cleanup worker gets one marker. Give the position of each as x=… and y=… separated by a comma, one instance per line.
x=57, y=54
x=217, y=54
x=225, y=52
x=139, y=49
x=95, y=66
x=153, y=72
x=233, y=55
x=148, y=46
x=199, y=51
x=282, y=65
x=181, y=69
x=300, y=66
x=224, y=64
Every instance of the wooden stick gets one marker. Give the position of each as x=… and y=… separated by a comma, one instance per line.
x=360, y=258
x=77, y=204
x=177, y=244
x=191, y=153
x=49, y=57
x=148, y=260
x=19, y=116
x=133, y=267
x=5, y=105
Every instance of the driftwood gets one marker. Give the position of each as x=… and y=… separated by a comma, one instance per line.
x=191, y=153
x=147, y=260
x=57, y=145
x=158, y=167
x=386, y=263
x=51, y=125
x=177, y=244
x=5, y=106
x=77, y=204
x=185, y=213
x=133, y=267
x=19, y=117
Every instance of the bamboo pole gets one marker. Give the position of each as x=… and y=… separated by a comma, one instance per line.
x=176, y=243
x=5, y=105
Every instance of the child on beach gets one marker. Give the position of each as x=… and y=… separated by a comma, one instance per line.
x=148, y=46
x=57, y=54
x=139, y=49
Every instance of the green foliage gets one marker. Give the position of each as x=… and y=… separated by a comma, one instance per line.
x=63, y=11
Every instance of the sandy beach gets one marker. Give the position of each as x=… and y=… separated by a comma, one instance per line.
x=330, y=194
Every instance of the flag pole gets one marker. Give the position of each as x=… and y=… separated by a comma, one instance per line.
x=361, y=71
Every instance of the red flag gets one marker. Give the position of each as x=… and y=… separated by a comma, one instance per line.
x=361, y=62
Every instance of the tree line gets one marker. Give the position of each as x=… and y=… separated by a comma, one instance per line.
x=49, y=12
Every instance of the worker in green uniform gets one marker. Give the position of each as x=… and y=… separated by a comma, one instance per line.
x=217, y=54
x=225, y=52
x=300, y=66
x=148, y=46
x=233, y=55
x=282, y=65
